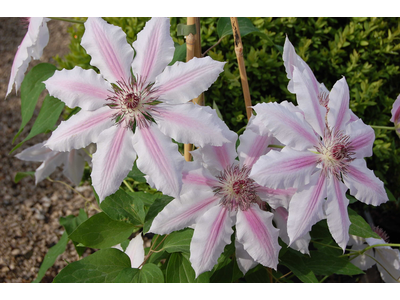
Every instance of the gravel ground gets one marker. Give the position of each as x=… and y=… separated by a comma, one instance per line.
x=29, y=213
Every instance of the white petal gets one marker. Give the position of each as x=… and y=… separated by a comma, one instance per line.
x=160, y=159
x=79, y=87
x=259, y=237
x=287, y=126
x=113, y=160
x=306, y=207
x=37, y=152
x=336, y=211
x=74, y=165
x=276, y=197
x=182, y=213
x=110, y=51
x=32, y=45
x=81, y=129
x=49, y=166
x=285, y=169
x=361, y=137
x=135, y=251
x=339, y=112
x=195, y=176
x=280, y=218
x=244, y=260
x=212, y=233
x=154, y=49
x=182, y=82
x=388, y=264
x=190, y=123
x=363, y=183
x=396, y=111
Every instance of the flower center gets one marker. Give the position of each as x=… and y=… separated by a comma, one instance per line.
x=132, y=103
x=336, y=153
x=236, y=189
x=381, y=233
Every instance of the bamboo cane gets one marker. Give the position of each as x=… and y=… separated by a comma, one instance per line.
x=193, y=49
x=242, y=68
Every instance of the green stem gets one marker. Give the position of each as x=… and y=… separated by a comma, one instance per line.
x=67, y=20
x=276, y=146
x=129, y=187
x=382, y=127
x=323, y=279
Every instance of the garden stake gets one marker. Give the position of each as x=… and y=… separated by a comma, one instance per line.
x=193, y=49
x=242, y=68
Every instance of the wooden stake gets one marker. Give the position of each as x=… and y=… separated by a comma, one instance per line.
x=242, y=68
x=193, y=49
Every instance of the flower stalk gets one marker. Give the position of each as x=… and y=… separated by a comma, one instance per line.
x=242, y=68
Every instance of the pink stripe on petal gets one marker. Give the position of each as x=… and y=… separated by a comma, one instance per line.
x=258, y=236
x=336, y=211
x=339, y=113
x=198, y=180
x=213, y=231
x=113, y=160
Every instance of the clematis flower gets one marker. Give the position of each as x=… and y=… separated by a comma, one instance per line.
x=323, y=157
x=135, y=251
x=31, y=46
x=396, y=115
x=217, y=194
x=135, y=106
x=386, y=258
x=73, y=161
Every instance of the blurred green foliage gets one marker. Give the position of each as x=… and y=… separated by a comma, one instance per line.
x=364, y=50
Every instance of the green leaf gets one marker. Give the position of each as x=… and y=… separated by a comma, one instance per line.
x=179, y=54
x=359, y=226
x=178, y=241
x=51, y=256
x=102, y=266
x=324, y=264
x=258, y=275
x=149, y=273
x=179, y=270
x=224, y=27
x=70, y=223
x=154, y=210
x=136, y=174
x=31, y=88
x=46, y=120
x=228, y=273
x=100, y=231
x=295, y=261
x=125, y=208
x=21, y=175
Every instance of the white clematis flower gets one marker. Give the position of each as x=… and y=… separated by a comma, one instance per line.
x=135, y=106
x=135, y=251
x=73, y=161
x=31, y=46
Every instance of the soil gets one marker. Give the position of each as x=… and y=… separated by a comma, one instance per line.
x=30, y=214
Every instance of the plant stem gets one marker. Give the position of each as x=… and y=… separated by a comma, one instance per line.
x=205, y=52
x=242, y=68
x=382, y=127
x=128, y=186
x=193, y=49
x=67, y=20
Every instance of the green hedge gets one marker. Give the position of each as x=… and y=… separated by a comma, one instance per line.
x=364, y=50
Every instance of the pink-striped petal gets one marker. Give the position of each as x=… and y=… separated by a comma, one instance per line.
x=36, y=38
x=336, y=212
x=195, y=177
x=79, y=87
x=259, y=237
x=154, y=49
x=190, y=123
x=396, y=111
x=276, y=197
x=160, y=159
x=80, y=130
x=182, y=213
x=113, y=160
x=253, y=145
x=287, y=126
x=361, y=137
x=280, y=218
x=306, y=207
x=363, y=183
x=339, y=112
x=182, y=82
x=212, y=233
x=244, y=260
x=285, y=169
x=107, y=46
x=307, y=98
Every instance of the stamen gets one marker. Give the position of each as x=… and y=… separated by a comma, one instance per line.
x=384, y=236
